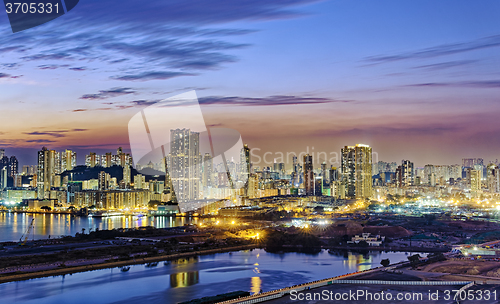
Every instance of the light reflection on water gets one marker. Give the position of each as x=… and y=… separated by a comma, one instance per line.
x=186, y=279
x=256, y=285
x=13, y=225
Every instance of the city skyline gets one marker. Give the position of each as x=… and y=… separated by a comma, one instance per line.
x=332, y=158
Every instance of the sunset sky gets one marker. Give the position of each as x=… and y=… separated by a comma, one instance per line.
x=416, y=80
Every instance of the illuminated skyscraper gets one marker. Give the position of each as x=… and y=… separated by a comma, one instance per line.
x=349, y=170
x=92, y=160
x=407, y=178
x=363, y=171
x=493, y=178
x=68, y=160
x=334, y=174
x=208, y=170
x=126, y=177
x=475, y=182
x=48, y=167
x=4, y=161
x=324, y=173
x=140, y=182
x=308, y=175
x=13, y=168
x=357, y=170
x=428, y=172
x=3, y=178
x=245, y=165
x=123, y=159
x=279, y=168
x=169, y=188
x=103, y=180
x=184, y=164
x=295, y=172
x=107, y=160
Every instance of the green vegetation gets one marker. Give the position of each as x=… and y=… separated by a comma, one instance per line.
x=277, y=241
x=414, y=259
x=125, y=250
x=147, y=231
x=484, y=237
x=385, y=262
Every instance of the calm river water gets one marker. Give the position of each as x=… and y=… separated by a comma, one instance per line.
x=13, y=225
x=187, y=279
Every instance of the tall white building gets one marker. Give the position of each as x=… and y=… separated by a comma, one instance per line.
x=184, y=164
x=49, y=164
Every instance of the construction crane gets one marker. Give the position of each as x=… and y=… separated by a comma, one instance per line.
x=27, y=233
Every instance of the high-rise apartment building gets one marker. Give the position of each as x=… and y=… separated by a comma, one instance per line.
x=107, y=160
x=295, y=178
x=68, y=160
x=280, y=169
x=363, y=171
x=325, y=174
x=308, y=175
x=13, y=167
x=184, y=164
x=245, y=166
x=103, y=180
x=349, y=170
x=4, y=161
x=127, y=178
x=475, y=181
x=48, y=167
x=122, y=159
x=3, y=178
x=334, y=174
x=208, y=170
x=92, y=160
x=493, y=178
x=407, y=173
x=357, y=170
x=140, y=182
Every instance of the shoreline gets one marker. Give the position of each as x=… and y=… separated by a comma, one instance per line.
x=77, y=269
x=389, y=248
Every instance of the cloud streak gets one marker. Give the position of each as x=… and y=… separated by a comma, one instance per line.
x=438, y=51
x=276, y=100
x=151, y=76
x=113, y=92
x=482, y=84
x=52, y=66
x=56, y=133
x=40, y=141
x=445, y=65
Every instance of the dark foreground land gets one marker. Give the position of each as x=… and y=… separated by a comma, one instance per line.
x=407, y=294
x=400, y=287
x=107, y=249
